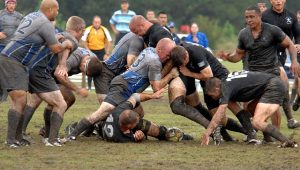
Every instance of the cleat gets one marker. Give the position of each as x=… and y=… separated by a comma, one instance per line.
x=293, y=124
x=217, y=137
x=53, y=144
x=24, y=142
x=70, y=128
x=187, y=137
x=288, y=144
x=250, y=137
x=295, y=106
x=12, y=144
x=42, y=132
x=254, y=142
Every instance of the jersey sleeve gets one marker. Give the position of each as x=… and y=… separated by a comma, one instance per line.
x=154, y=73
x=225, y=94
x=47, y=32
x=113, y=19
x=241, y=44
x=136, y=46
x=278, y=34
x=199, y=56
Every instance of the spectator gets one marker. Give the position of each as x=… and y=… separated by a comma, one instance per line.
x=163, y=18
x=97, y=39
x=261, y=4
x=197, y=37
x=120, y=20
x=173, y=32
x=9, y=22
x=150, y=15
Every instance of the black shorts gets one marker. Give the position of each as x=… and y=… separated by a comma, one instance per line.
x=274, y=92
x=189, y=84
x=102, y=81
x=118, y=91
x=14, y=75
x=41, y=82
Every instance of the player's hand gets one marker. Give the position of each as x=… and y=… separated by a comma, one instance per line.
x=223, y=55
x=295, y=68
x=174, y=72
x=195, y=39
x=205, y=139
x=139, y=136
x=83, y=92
x=61, y=71
x=185, y=71
x=158, y=94
x=2, y=35
x=69, y=44
x=298, y=48
x=105, y=57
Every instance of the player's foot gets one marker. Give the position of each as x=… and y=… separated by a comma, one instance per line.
x=70, y=128
x=293, y=123
x=295, y=105
x=24, y=142
x=53, y=143
x=254, y=142
x=217, y=137
x=42, y=132
x=288, y=144
x=12, y=144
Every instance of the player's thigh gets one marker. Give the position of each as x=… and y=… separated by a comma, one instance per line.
x=34, y=100
x=54, y=98
x=193, y=99
x=283, y=77
x=263, y=111
x=176, y=89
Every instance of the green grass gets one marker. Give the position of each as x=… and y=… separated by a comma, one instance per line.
x=90, y=153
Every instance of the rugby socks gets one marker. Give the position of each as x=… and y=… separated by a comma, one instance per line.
x=244, y=118
x=233, y=125
x=28, y=113
x=287, y=107
x=81, y=126
x=13, y=120
x=162, y=133
x=293, y=95
x=19, y=134
x=179, y=107
x=205, y=112
x=274, y=132
x=55, y=122
x=47, y=117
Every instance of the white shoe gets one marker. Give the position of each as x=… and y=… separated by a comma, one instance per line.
x=52, y=144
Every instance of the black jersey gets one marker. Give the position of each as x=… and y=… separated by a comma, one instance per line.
x=286, y=20
x=243, y=86
x=200, y=58
x=262, y=56
x=155, y=33
x=111, y=128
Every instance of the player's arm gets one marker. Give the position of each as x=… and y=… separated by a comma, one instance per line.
x=130, y=59
x=233, y=57
x=287, y=43
x=167, y=68
x=216, y=120
x=203, y=75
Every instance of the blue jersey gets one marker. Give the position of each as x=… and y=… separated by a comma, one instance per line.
x=34, y=31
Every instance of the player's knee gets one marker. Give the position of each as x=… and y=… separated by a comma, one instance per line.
x=176, y=105
x=70, y=100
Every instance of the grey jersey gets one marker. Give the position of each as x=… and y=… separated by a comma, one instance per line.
x=147, y=67
x=73, y=62
x=130, y=44
x=9, y=22
x=34, y=31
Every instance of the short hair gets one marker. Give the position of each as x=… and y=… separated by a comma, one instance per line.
x=96, y=16
x=162, y=12
x=211, y=84
x=128, y=117
x=254, y=8
x=94, y=67
x=75, y=23
x=177, y=55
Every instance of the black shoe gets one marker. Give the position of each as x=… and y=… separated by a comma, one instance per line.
x=217, y=137
x=24, y=142
x=70, y=128
x=288, y=144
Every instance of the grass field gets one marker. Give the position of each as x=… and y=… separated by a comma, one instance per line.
x=91, y=153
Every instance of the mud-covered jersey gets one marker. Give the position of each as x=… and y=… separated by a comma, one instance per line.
x=74, y=61
x=34, y=31
x=147, y=67
x=111, y=129
x=129, y=44
x=9, y=22
x=200, y=58
x=243, y=86
x=155, y=33
x=46, y=61
x=262, y=52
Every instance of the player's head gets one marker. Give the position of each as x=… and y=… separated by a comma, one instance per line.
x=128, y=119
x=91, y=66
x=278, y=5
x=50, y=9
x=75, y=25
x=150, y=14
x=261, y=4
x=213, y=87
x=164, y=48
x=194, y=28
x=97, y=22
x=124, y=5
x=163, y=18
x=253, y=16
x=138, y=25
x=10, y=5
x=179, y=56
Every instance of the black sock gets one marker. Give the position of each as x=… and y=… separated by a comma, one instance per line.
x=80, y=127
x=205, y=112
x=234, y=126
x=244, y=118
x=226, y=136
x=179, y=107
x=47, y=117
x=162, y=133
x=19, y=134
x=13, y=121
x=293, y=95
x=55, y=122
x=287, y=107
x=28, y=113
x=274, y=132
